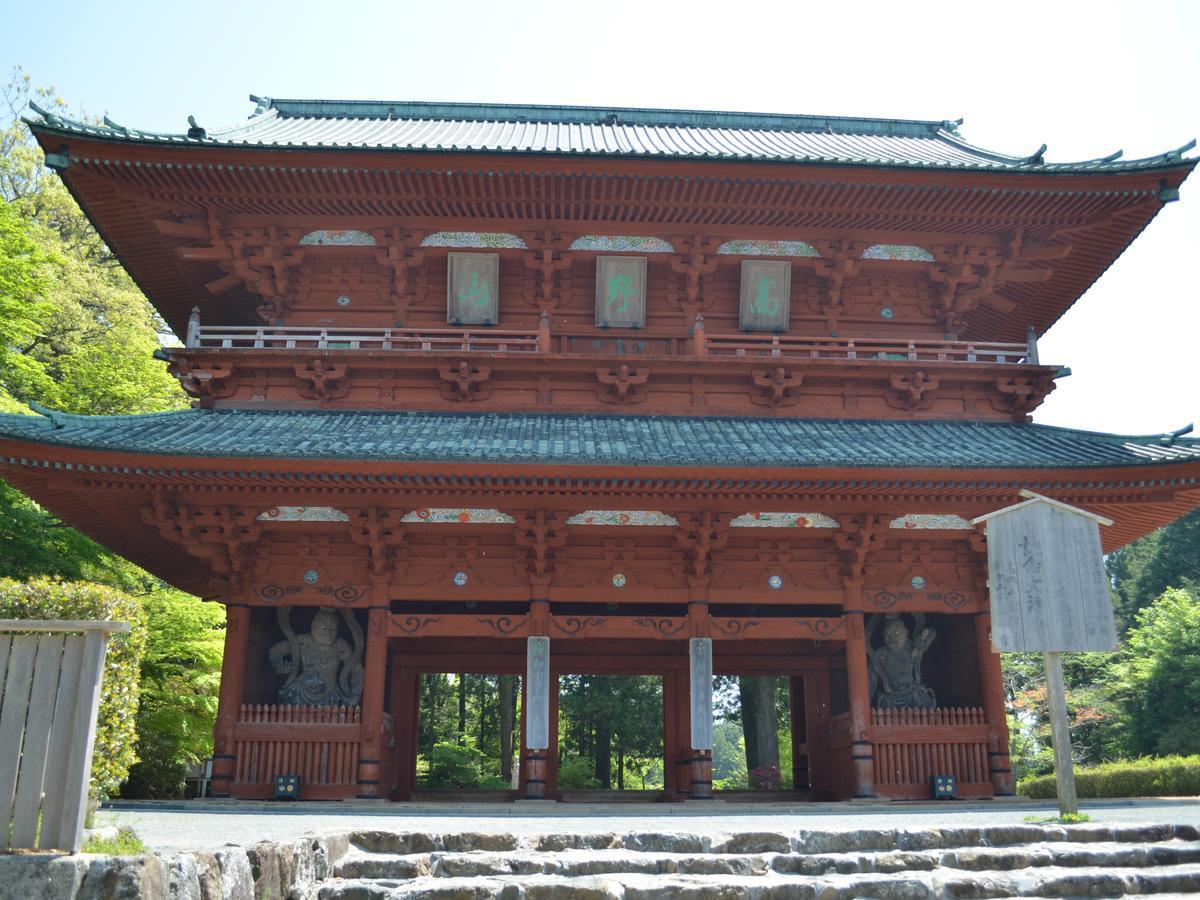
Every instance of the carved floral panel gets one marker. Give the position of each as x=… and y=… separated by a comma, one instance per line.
x=303, y=514
x=904, y=252
x=784, y=520
x=621, y=517
x=767, y=248
x=920, y=520
x=621, y=244
x=498, y=240
x=330, y=238
x=459, y=516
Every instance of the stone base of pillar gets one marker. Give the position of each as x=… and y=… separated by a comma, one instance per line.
x=700, y=769
x=536, y=763
x=1001, y=774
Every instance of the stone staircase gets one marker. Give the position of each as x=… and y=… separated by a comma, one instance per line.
x=988, y=861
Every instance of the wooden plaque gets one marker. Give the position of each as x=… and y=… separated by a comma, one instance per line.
x=537, y=693
x=472, y=288
x=766, y=295
x=701, y=676
x=621, y=291
x=1049, y=590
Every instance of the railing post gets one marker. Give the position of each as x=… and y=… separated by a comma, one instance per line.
x=543, y=335
x=1031, y=347
x=193, y=329
x=699, y=342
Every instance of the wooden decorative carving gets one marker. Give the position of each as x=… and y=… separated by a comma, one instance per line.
x=220, y=534
x=203, y=380
x=776, y=387
x=857, y=537
x=696, y=258
x=1020, y=395
x=464, y=381
x=840, y=260
x=324, y=381
x=699, y=537
x=540, y=533
x=911, y=392
x=549, y=258
x=399, y=250
x=622, y=384
x=381, y=531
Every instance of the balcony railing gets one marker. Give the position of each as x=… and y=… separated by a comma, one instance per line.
x=634, y=343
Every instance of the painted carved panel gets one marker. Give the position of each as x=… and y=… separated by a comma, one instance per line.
x=621, y=291
x=903, y=252
x=437, y=514
x=621, y=517
x=784, y=520
x=482, y=240
x=472, y=288
x=766, y=295
x=767, y=248
x=621, y=244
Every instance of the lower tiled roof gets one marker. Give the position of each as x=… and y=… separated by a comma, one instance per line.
x=595, y=439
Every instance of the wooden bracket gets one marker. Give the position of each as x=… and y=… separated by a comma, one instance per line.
x=858, y=536
x=911, y=392
x=776, y=387
x=622, y=384
x=464, y=381
x=324, y=381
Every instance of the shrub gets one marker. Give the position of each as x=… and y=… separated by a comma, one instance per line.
x=577, y=773
x=453, y=765
x=1167, y=776
x=116, y=728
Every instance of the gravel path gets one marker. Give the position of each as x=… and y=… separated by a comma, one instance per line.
x=208, y=825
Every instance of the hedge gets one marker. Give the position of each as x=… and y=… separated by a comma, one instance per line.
x=1164, y=776
x=116, y=728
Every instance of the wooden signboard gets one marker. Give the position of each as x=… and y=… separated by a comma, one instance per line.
x=700, y=671
x=766, y=295
x=537, y=693
x=621, y=291
x=473, y=288
x=1049, y=592
x=1047, y=582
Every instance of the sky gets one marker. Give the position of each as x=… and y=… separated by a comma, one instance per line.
x=1084, y=78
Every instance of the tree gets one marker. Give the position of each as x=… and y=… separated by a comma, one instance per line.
x=1158, y=677
x=180, y=679
x=760, y=724
x=1166, y=558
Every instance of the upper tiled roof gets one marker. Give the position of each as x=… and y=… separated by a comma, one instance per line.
x=597, y=440
x=600, y=131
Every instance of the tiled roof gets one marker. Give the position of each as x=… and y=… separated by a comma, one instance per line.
x=596, y=440
x=600, y=131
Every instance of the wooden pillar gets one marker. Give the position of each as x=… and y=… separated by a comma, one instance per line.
x=861, y=751
x=816, y=721
x=233, y=675
x=370, y=752
x=683, y=727
x=1060, y=734
x=991, y=683
x=670, y=782
x=552, y=750
x=406, y=711
x=537, y=717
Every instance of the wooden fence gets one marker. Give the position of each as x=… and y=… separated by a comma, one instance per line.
x=911, y=745
x=51, y=674
x=318, y=743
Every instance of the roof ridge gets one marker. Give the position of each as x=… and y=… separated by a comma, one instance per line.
x=600, y=115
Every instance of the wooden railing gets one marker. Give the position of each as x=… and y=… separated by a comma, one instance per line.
x=822, y=348
x=304, y=337
x=911, y=745
x=320, y=744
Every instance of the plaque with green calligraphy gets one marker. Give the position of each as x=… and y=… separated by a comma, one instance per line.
x=472, y=288
x=621, y=291
x=766, y=295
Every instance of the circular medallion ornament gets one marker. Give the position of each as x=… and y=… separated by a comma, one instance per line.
x=310, y=577
x=343, y=300
x=618, y=580
x=918, y=583
x=460, y=579
x=886, y=313
x=776, y=582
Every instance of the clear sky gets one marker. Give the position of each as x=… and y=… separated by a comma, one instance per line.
x=1085, y=78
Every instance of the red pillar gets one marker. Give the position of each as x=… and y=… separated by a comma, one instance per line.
x=816, y=719
x=861, y=751
x=233, y=674
x=796, y=706
x=370, y=755
x=991, y=683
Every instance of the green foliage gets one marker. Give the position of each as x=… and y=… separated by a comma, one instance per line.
x=453, y=765
x=181, y=673
x=577, y=773
x=1166, y=558
x=1170, y=776
x=116, y=730
x=1064, y=819
x=126, y=843
x=1158, y=677
x=616, y=720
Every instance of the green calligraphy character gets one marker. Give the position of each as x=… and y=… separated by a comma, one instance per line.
x=764, y=303
x=475, y=293
x=620, y=288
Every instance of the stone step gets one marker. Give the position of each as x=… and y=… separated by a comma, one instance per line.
x=575, y=863
x=800, y=841
x=1050, y=881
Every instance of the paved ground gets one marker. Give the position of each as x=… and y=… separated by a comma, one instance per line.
x=207, y=825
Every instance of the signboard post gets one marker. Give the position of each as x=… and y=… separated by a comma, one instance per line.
x=1049, y=593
